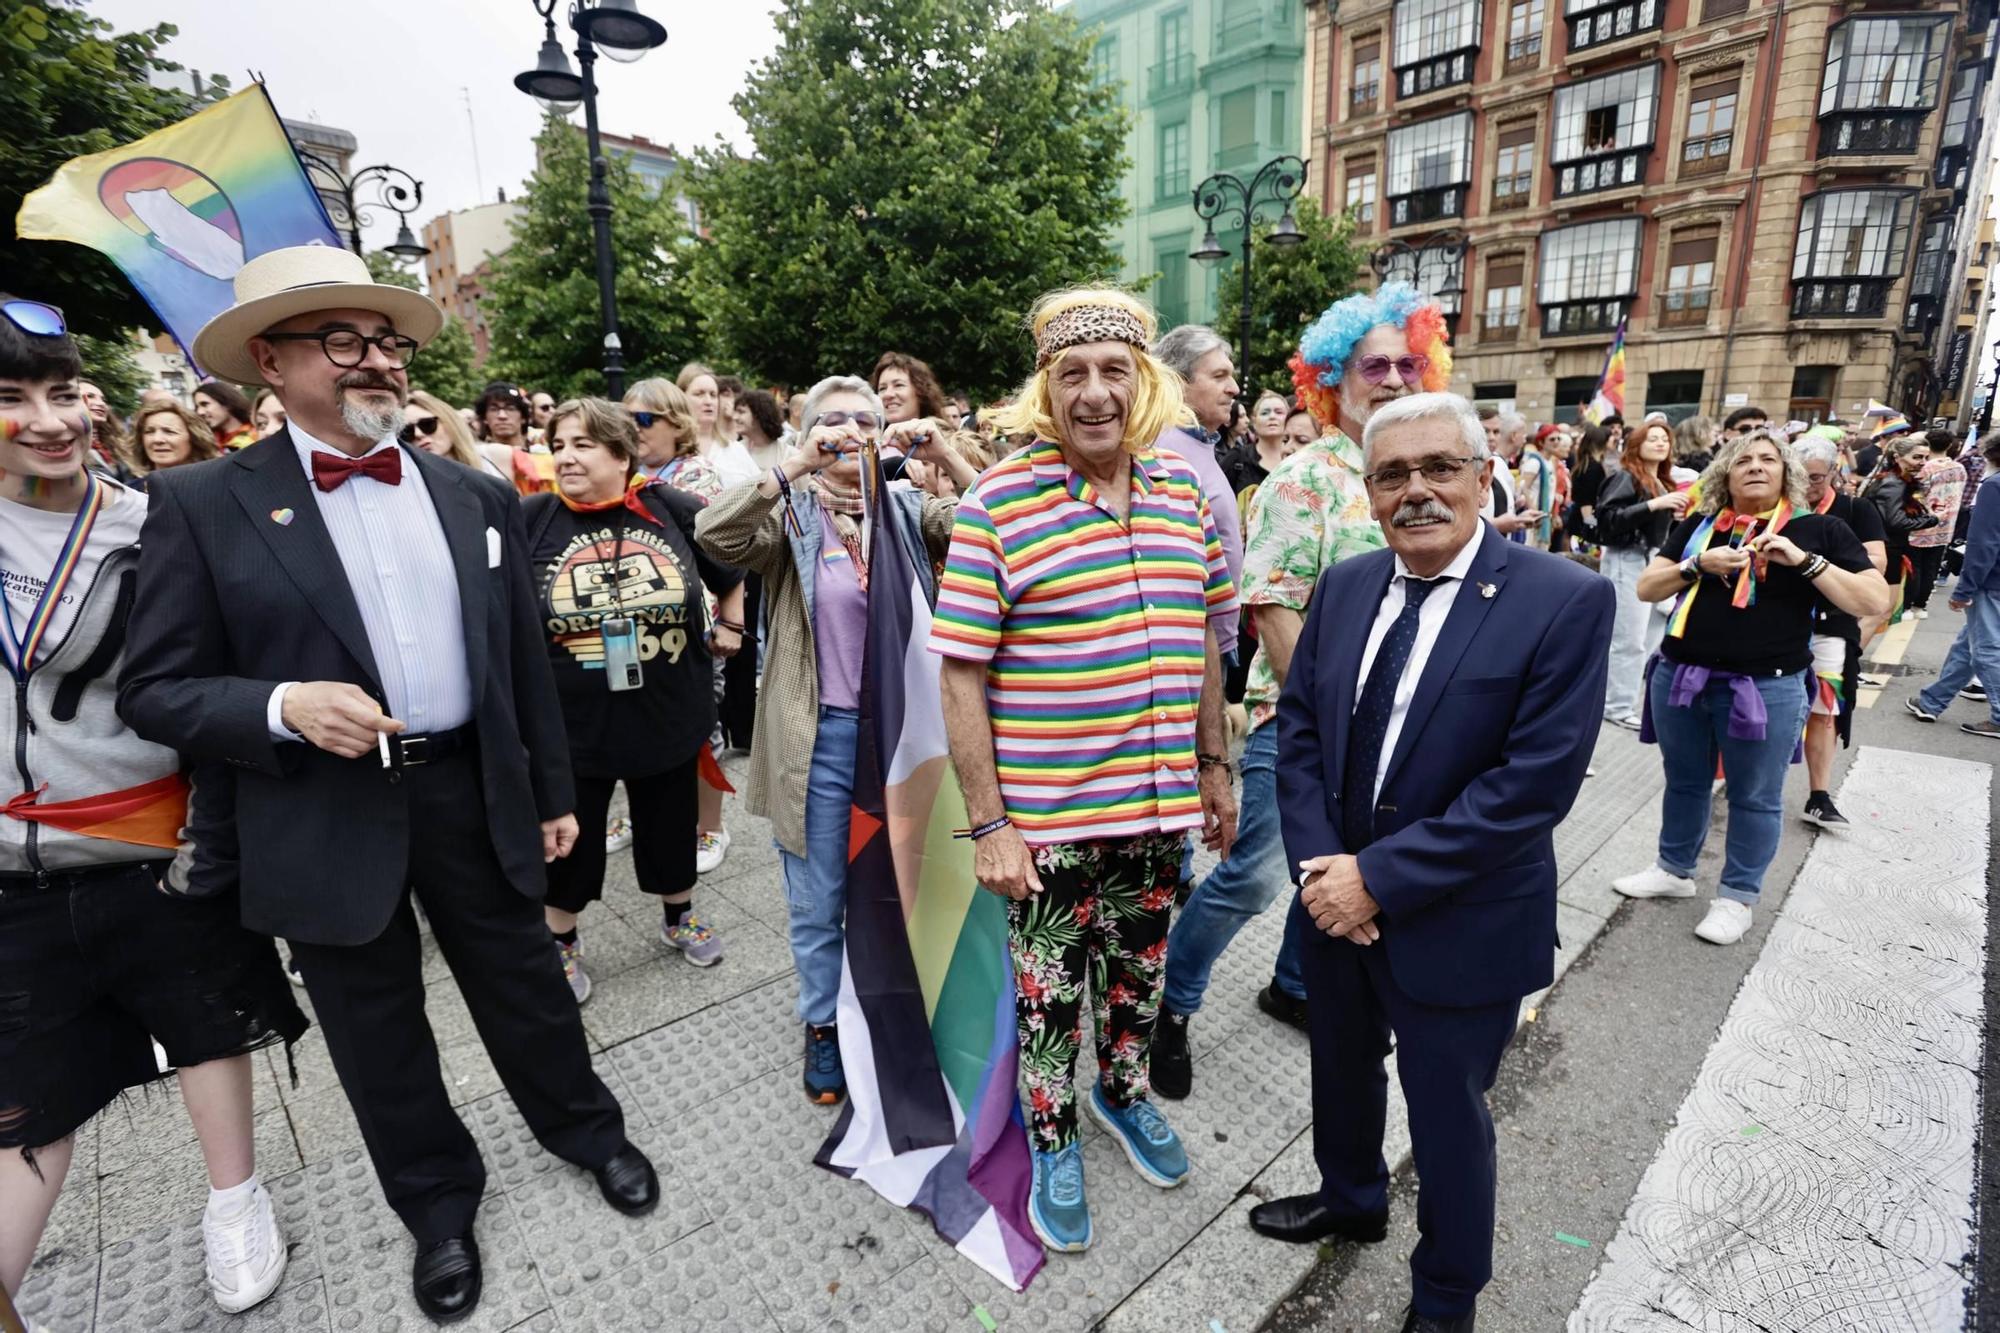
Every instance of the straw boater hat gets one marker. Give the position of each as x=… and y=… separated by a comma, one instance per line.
x=279, y=284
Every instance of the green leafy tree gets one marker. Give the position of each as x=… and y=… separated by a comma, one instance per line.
x=1290, y=286
x=69, y=86
x=444, y=368
x=113, y=366
x=924, y=169
x=542, y=301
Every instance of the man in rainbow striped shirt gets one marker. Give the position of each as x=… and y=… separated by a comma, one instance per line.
x=1083, y=698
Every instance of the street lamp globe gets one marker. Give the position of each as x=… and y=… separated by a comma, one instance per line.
x=552, y=83
x=1286, y=232
x=1211, y=251
x=618, y=29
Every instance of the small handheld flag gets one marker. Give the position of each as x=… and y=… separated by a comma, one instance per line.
x=1609, y=400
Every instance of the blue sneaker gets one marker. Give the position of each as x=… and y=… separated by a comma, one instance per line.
x=1056, y=1207
x=826, y=1081
x=1145, y=1136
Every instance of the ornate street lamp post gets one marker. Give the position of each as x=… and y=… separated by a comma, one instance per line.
x=1238, y=204
x=350, y=200
x=1445, y=248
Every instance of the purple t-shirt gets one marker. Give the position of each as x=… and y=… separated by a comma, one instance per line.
x=840, y=620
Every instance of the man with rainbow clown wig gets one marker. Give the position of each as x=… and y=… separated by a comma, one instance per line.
x=1083, y=699
x=1312, y=512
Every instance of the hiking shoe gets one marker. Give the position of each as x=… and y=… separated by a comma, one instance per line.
x=826, y=1083
x=1173, y=1068
x=244, y=1252
x=1986, y=729
x=1916, y=710
x=1282, y=1007
x=617, y=835
x=1653, y=882
x=572, y=965
x=1726, y=922
x=1145, y=1136
x=709, y=849
x=693, y=937
x=1056, y=1206
x=1820, y=811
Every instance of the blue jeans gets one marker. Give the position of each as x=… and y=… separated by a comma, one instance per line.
x=1237, y=889
x=1690, y=738
x=816, y=885
x=1975, y=654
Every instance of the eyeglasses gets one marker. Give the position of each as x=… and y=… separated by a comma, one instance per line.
x=37, y=317
x=865, y=420
x=420, y=428
x=1409, y=368
x=1437, y=471
x=348, y=349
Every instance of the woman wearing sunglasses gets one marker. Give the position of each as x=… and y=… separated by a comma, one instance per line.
x=430, y=425
x=799, y=526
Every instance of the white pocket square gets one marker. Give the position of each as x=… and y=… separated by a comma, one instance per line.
x=493, y=548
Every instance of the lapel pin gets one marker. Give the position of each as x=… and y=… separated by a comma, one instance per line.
x=283, y=518
x=1487, y=591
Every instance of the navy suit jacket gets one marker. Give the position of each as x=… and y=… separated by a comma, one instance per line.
x=1488, y=762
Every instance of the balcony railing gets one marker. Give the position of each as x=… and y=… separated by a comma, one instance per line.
x=1605, y=171
x=1427, y=205
x=1365, y=97
x=1840, y=298
x=1685, y=307
x=1239, y=31
x=1524, y=53
x=1871, y=133
x=1503, y=327
x=1171, y=77
x=1446, y=71
x=1512, y=192
x=1235, y=155
x=1706, y=157
x=1569, y=318
x=1615, y=22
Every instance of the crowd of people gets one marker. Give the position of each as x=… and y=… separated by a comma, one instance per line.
x=292, y=663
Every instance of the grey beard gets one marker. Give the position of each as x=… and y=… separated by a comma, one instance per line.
x=369, y=423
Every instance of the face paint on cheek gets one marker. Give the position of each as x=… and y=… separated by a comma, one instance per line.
x=9, y=428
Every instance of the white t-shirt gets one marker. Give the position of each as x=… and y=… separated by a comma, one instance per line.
x=30, y=541
x=733, y=463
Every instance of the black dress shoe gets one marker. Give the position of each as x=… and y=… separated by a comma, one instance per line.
x=1282, y=1006
x=1425, y=1323
x=628, y=1182
x=1302, y=1218
x=446, y=1278
x=1173, y=1068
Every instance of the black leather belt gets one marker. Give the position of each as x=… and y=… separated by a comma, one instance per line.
x=413, y=751
x=63, y=881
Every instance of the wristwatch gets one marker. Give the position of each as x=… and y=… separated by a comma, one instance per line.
x=1691, y=569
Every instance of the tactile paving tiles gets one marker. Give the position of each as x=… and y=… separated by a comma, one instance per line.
x=576, y=1236
x=1820, y=1173
x=63, y=1297
x=156, y=1281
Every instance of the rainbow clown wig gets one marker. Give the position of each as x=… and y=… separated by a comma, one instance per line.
x=1326, y=346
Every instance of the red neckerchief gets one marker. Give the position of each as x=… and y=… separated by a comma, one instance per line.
x=629, y=500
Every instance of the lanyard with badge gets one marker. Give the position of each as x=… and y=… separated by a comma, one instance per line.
x=620, y=632
x=21, y=646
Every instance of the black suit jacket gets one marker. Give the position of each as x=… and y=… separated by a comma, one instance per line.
x=1489, y=760
x=232, y=603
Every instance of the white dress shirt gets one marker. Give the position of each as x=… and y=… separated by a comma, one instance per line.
x=405, y=585
x=1430, y=622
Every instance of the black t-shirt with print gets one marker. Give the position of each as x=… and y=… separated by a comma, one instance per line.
x=1773, y=635
x=592, y=565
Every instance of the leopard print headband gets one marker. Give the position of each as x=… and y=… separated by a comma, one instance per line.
x=1087, y=324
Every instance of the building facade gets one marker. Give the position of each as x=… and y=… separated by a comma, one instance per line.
x=463, y=246
x=1766, y=192
x=1212, y=85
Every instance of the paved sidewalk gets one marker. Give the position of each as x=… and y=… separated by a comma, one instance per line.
x=750, y=1235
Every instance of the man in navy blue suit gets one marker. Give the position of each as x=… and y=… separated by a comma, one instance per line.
x=1441, y=709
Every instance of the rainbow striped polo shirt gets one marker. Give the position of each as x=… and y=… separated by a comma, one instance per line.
x=1093, y=635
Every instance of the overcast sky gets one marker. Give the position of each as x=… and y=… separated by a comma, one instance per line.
x=390, y=73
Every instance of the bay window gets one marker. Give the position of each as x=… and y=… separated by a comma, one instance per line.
x=1851, y=248
x=1604, y=130
x=1589, y=274
x=1436, y=43
x=1595, y=22
x=1881, y=79
x=1430, y=165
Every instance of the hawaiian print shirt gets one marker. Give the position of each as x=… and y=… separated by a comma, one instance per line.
x=1309, y=514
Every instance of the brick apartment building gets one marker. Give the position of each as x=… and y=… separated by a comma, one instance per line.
x=1781, y=197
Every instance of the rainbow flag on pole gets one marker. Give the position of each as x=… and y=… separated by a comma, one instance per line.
x=1610, y=396
x=180, y=210
x=927, y=1029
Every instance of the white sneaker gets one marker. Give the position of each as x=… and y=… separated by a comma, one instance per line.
x=617, y=835
x=709, y=851
x=1653, y=882
x=1725, y=923
x=246, y=1255
x=1921, y=614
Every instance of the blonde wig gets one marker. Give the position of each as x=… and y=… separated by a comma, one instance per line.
x=459, y=444
x=1156, y=401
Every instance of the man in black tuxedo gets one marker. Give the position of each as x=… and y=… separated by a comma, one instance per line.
x=349, y=625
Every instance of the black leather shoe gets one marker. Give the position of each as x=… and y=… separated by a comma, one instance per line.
x=446, y=1279
x=1173, y=1068
x=1302, y=1218
x=1423, y=1323
x=1282, y=1006
x=628, y=1182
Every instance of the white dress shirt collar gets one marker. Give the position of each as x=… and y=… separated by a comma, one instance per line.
x=306, y=443
x=1461, y=564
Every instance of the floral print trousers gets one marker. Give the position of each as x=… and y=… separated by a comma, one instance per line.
x=1104, y=906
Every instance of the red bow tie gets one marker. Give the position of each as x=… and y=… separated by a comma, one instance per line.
x=331, y=471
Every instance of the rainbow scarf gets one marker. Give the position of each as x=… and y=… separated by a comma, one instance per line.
x=21, y=647
x=1737, y=530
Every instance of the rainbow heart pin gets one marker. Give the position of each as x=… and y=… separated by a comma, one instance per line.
x=282, y=517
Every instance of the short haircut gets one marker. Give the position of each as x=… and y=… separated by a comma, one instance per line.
x=1743, y=414
x=228, y=397
x=35, y=358
x=923, y=382
x=1510, y=422
x=1818, y=449
x=500, y=394
x=1180, y=348
x=833, y=384
x=1427, y=407
x=603, y=421
x=730, y=385
x=664, y=398
x=763, y=410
